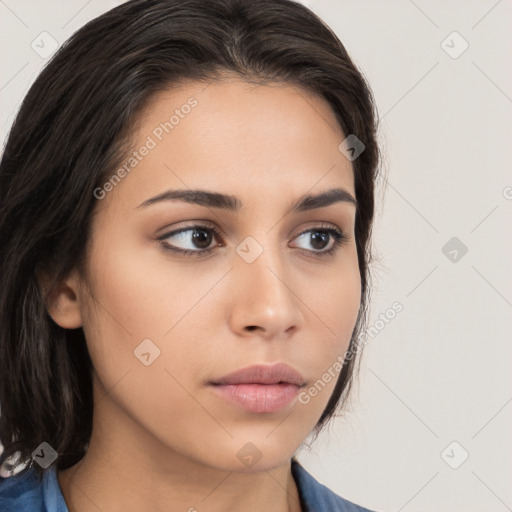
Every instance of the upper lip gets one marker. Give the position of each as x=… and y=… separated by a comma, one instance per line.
x=263, y=374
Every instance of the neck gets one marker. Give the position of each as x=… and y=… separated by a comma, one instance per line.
x=126, y=468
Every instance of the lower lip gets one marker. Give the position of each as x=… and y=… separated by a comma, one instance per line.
x=258, y=397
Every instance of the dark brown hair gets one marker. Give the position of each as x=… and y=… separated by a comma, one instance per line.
x=70, y=134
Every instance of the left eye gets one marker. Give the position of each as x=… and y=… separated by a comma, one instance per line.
x=320, y=238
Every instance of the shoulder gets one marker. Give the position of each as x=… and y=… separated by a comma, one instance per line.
x=318, y=497
x=27, y=492
x=23, y=492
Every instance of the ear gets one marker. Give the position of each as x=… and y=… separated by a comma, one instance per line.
x=63, y=301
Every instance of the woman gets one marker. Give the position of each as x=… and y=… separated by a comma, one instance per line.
x=187, y=196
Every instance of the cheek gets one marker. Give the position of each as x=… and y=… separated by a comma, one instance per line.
x=150, y=313
x=348, y=305
x=334, y=312
x=340, y=299
x=140, y=290
x=139, y=297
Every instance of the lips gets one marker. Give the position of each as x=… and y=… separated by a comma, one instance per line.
x=264, y=374
x=260, y=388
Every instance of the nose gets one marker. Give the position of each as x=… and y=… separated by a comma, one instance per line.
x=264, y=300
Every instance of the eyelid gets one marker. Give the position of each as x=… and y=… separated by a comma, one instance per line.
x=187, y=224
x=319, y=225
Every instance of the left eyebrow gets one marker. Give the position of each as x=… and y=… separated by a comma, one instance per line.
x=335, y=195
x=233, y=203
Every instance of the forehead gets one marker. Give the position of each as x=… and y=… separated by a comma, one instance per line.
x=235, y=134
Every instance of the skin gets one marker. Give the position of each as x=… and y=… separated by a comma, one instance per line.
x=160, y=435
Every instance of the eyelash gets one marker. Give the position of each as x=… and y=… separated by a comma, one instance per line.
x=339, y=240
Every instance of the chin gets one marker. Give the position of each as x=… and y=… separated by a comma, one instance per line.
x=252, y=452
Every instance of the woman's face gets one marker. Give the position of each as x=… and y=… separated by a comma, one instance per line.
x=163, y=327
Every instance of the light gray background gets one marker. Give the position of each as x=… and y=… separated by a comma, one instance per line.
x=440, y=370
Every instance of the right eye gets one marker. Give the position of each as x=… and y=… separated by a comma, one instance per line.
x=191, y=240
